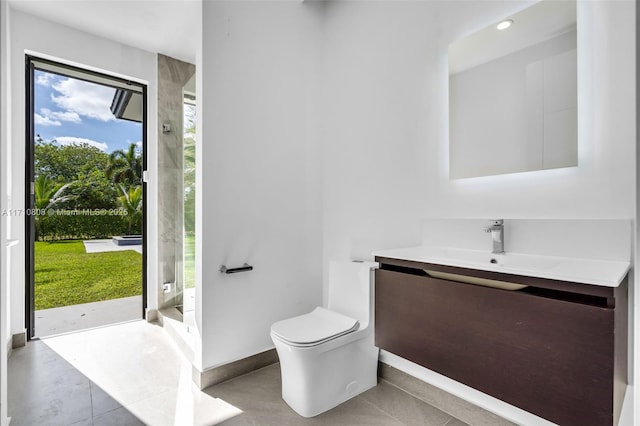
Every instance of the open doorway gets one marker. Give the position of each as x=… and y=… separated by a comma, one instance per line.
x=86, y=140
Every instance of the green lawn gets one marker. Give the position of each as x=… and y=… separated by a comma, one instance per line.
x=66, y=275
x=189, y=254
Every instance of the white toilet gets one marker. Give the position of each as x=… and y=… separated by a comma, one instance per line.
x=328, y=355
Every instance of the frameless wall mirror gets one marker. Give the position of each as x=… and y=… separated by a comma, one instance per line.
x=513, y=94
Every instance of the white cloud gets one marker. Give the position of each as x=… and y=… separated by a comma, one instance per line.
x=44, y=79
x=139, y=144
x=72, y=140
x=84, y=98
x=61, y=116
x=51, y=118
x=45, y=120
x=72, y=117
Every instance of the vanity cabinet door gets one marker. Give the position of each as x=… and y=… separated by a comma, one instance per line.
x=553, y=358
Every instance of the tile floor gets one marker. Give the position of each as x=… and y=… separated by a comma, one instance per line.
x=257, y=394
x=133, y=374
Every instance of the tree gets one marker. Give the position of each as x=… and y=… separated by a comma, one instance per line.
x=83, y=166
x=92, y=191
x=48, y=194
x=189, y=186
x=67, y=161
x=189, y=169
x=131, y=200
x=125, y=167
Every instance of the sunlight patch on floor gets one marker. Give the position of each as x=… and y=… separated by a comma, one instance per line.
x=139, y=366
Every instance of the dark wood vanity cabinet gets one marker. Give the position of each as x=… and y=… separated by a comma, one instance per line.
x=555, y=349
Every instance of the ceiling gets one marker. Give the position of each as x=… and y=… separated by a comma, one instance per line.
x=162, y=26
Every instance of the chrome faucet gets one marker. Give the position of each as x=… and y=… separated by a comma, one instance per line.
x=497, y=235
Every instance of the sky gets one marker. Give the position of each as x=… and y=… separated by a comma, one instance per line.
x=72, y=111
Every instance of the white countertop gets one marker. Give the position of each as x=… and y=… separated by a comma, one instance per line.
x=603, y=273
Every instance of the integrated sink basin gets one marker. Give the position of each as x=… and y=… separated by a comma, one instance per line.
x=508, y=260
x=585, y=271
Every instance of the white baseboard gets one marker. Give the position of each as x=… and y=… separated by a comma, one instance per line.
x=213, y=376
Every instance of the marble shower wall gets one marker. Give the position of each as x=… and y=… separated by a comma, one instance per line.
x=172, y=76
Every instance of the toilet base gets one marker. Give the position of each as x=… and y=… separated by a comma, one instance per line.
x=317, y=379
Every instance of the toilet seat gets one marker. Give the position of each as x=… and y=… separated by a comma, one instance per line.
x=314, y=328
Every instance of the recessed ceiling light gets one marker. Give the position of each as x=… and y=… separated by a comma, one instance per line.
x=504, y=24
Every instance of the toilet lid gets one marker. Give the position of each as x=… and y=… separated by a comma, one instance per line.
x=315, y=327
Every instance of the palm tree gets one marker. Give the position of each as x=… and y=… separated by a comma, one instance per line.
x=131, y=200
x=125, y=167
x=48, y=193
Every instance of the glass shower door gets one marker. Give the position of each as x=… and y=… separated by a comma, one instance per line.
x=189, y=204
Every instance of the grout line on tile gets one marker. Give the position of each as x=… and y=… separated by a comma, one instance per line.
x=91, y=398
x=383, y=411
x=420, y=399
x=451, y=420
x=144, y=399
x=105, y=413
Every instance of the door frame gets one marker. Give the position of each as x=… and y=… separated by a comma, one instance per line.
x=30, y=68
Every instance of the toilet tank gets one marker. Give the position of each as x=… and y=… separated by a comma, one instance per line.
x=351, y=289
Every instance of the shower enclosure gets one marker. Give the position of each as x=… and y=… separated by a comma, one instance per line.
x=176, y=181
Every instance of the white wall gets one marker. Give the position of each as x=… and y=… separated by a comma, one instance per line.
x=65, y=44
x=375, y=118
x=385, y=115
x=635, y=297
x=5, y=120
x=258, y=160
